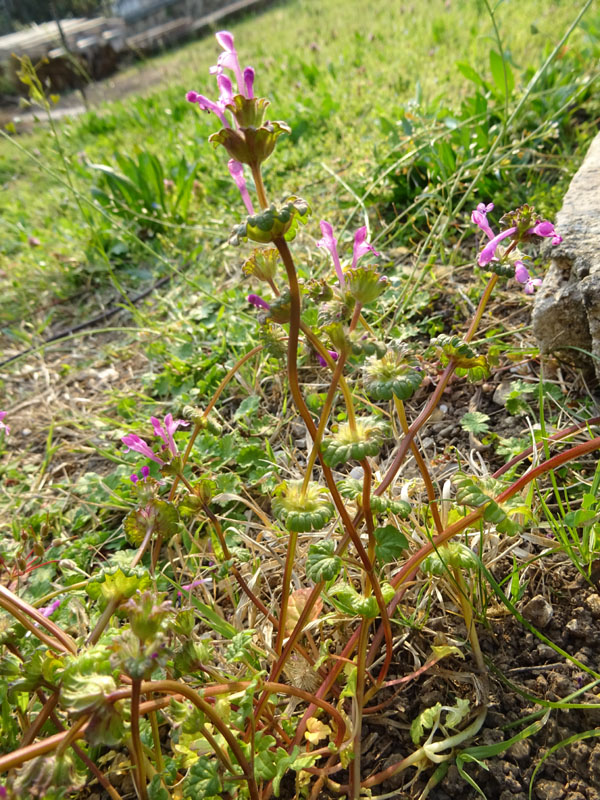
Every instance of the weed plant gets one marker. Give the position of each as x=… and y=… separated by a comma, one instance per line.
x=238, y=643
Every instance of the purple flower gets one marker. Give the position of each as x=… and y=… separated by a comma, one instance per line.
x=489, y=251
x=521, y=272
x=208, y=105
x=322, y=361
x=546, y=229
x=330, y=242
x=361, y=246
x=3, y=426
x=2, y=792
x=249, y=82
x=236, y=170
x=479, y=218
x=166, y=432
x=133, y=442
x=144, y=472
x=47, y=611
x=257, y=301
x=229, y=60
x=522, y=276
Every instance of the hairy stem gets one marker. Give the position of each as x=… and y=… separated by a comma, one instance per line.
x=285, y=590
x=260, y=186
x=137, y=751
x=421, y=465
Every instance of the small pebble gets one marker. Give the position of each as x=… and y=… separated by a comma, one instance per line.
x=549, y=790
x=593, y=603
x=520, y=751
x=576, y=628
x=546, y=653
x=538, y=611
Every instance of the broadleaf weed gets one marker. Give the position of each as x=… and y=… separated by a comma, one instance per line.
x=265, y=664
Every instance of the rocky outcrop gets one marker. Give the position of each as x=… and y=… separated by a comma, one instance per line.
x=566, y=314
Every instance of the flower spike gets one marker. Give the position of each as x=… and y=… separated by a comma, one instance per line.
x=229, y=59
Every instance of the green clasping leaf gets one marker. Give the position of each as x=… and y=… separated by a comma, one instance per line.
x=300, y=512
x=353, y=444
x=394, y=375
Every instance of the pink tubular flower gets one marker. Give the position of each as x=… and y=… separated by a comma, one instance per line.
x=531, y=285
x=236, y=170
x=489, y=251
x=330, y=242
x=47, y=611
x=523, y=277
x=133, y=442
x=3, y=426
x=225, y=90
x=208, y=105
x=249, y=82
x=166, y=432
x=521, y=272
x=322, y=361
x=479, y=218
x=257, y=301
x=546, y=229
x=229, y=60
x=361, y=246
x=541, y=228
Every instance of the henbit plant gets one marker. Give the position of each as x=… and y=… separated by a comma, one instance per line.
x=246, y=714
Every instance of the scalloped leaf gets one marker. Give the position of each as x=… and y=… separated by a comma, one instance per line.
x=322, y=564
x=118, y=582
x=391, y=543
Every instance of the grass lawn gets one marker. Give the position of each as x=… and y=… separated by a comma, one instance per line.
x=167, y=600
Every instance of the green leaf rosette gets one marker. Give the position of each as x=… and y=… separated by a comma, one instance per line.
x=353, y=444
x=300, y=512
x=394, y=375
